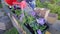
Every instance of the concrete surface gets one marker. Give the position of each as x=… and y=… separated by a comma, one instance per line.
x=2, y=26
x=5, y=22
x=55, y=28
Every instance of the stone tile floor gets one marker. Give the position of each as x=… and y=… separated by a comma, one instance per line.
x=5, y=22
x=55, y=28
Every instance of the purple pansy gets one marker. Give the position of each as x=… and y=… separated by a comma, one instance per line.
x=14, y=7
x=32, y=13
x=39, y=31
x=40, y=21
x=21, y=17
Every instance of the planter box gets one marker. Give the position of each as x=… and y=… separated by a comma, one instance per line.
x=51, y=18
x=26, y=27
x=42, y=12
x=19, y=26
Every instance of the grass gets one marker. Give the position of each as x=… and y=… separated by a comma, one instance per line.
x=0, y=4
x=53, y=7
x=12, y=31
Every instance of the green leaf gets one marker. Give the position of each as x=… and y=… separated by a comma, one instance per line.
x=12, y=31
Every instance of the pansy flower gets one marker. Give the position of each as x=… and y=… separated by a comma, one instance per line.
x=32, y=13
x=39, y=31
x=40, y=21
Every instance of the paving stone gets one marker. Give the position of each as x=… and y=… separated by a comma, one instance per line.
x=6, y=21
x=2, y=26
x=2, y=31
x=1, y=13
x=55, y=28
x=57, y=25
